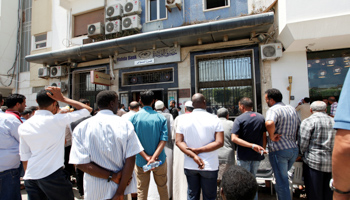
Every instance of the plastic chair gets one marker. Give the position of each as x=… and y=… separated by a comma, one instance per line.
x=265, y=172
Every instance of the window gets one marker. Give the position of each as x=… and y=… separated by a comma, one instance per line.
x=326, y=72
x=26, y=35
x=83, y=20
x=224, y=81
x=40, y=41
x=156, y=10
x=209, y=4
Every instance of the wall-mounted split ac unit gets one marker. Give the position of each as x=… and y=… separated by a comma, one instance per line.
x=61, y=85
x=58, y=71
x=95, y=29
x=131, y=22
x=132, y=7
x=114, y=11
x=173, y=3
x=43, y=72
x=271, y=51
x=113, y=27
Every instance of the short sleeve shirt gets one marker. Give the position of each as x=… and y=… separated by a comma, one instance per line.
x=250, y=127
x=342, y=117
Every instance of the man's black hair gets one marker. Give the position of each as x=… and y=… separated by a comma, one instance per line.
x=104, y=98
x=33, y=108
x=26, y=111
x=13, y=99
x=147, y=97
x=84, y=101
x=0, y=97
x=189, y=109
x=274, y=94
x=238, y=184
x=43, y=99
x=246, y=102
x=307, y=100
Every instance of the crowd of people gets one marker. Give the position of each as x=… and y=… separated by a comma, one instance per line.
x=195, y=150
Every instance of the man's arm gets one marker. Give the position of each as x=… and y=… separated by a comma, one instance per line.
x=126, y=174
x=264, y=140
x=270, y=127
x=58, y=96
x=235, y=138
x=25, y=165
x=156, y=154
x=97, y=171
x=341, y=163
x=184, y=148
x=304, y=136
x=218, y=143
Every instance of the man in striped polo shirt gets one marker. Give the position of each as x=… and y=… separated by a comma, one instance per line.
x=282, y=123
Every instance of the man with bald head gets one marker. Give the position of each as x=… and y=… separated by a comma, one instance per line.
x=134, y=107
x=316, y=141
x=199, y=135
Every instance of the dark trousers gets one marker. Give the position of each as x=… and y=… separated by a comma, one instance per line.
x=80, y=181
x=201, y=180
x=56, y=186
x=10, y=185
x=317, y=184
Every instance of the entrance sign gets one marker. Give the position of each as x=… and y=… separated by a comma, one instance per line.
x=148, y=57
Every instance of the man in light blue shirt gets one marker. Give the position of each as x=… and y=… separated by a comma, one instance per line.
x=151, y=128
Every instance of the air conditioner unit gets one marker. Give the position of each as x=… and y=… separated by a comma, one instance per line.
x=113, y=27
x=271, y=51
x=58, y=71
x=132, y=7
x=95, y=29
x=61, y=85
x=131, y=22
x=173, y=3
x=114, y=11
x=43, y=72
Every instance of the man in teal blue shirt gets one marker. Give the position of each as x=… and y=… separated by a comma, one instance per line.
x=151, y=128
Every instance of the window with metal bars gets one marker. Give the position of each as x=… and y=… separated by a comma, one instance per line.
x=224, y=81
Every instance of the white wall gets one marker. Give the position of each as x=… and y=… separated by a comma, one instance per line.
x=256, y=5
x=60, y=26
x=291, y=64
x=8, y=35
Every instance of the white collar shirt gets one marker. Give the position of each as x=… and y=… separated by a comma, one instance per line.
x=9, y=142
x=129, y=114
x=42, y=141
x=198, y=129
x=107, y=140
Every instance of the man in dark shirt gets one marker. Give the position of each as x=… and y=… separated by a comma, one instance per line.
x=173, y=109
x=249, y=133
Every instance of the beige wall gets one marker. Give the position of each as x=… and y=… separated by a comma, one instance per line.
x=41, y=16
x=35, y=81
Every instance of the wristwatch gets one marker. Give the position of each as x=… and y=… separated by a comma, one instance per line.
x=335, y=189
x=110, y=176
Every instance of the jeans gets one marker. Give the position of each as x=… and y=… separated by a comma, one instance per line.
x=252, y=167
x=56, y=186
x=281, y=162
x=205, y=180
x=10, y=185
x=317, y=184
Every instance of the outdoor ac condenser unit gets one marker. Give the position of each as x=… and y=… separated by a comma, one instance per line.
x=114, y=11
x=61, y=85
x=43, y=72
x=173, y=3
x=131, y=22
x=271, y=51
x=132, y=7
x=95, y=29
x=58, y=71
x=113, y=27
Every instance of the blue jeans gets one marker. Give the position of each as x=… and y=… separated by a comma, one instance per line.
x=281, y=162
x=56, y=186
x=199, y=179
x=252, y=167
x=10, y=185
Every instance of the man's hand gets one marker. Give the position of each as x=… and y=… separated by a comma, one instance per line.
x=118, y=197
x=259, y=148
x=116, y=177
x=199, y=161
x=276, y=137
x=194, y=150
x=56, y=93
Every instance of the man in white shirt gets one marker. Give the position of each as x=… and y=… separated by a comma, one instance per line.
x=134, y=107
x=42, y=140
x=199, y=135
x=104, y=147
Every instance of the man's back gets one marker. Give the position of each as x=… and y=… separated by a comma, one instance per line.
x=304, y=111
x=227, y=152
x=151, y=128
x=107, y=140
x=286, y=124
